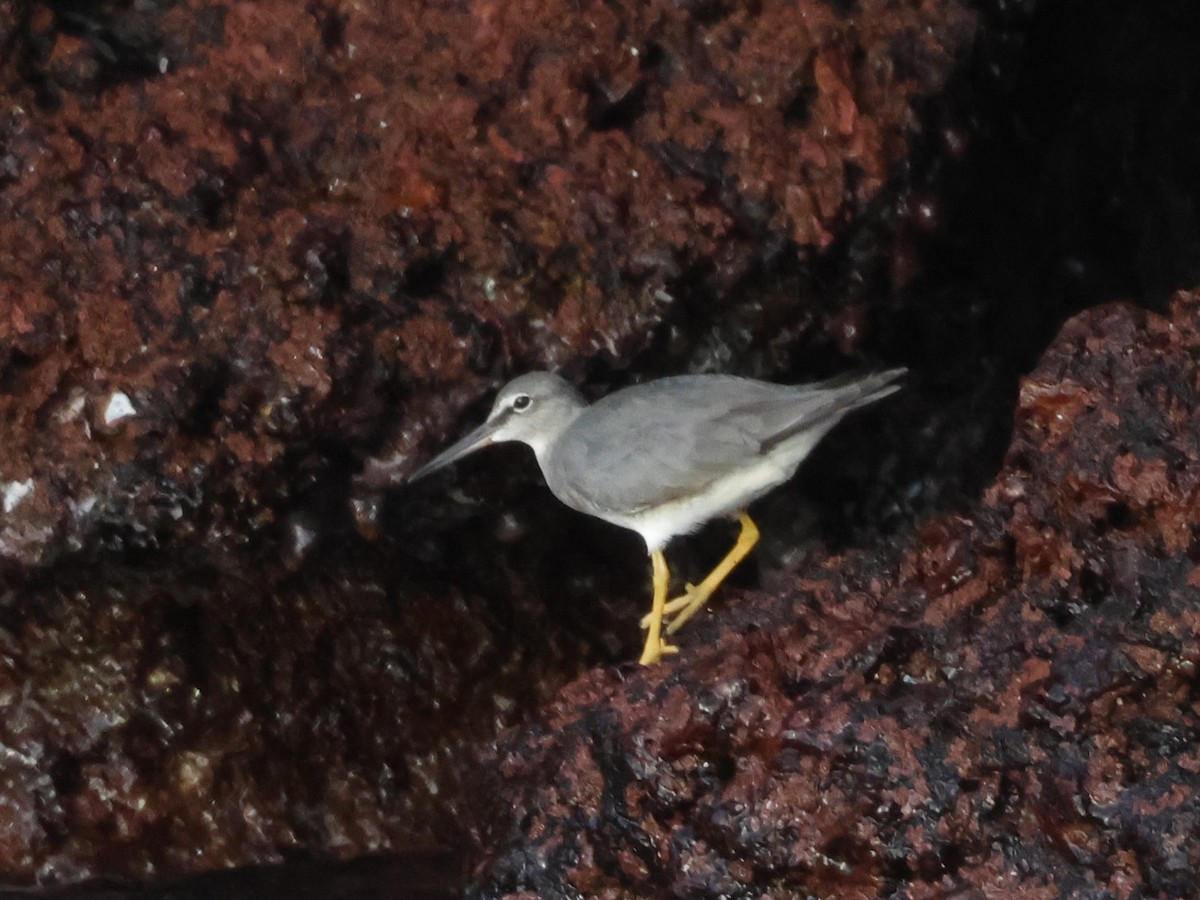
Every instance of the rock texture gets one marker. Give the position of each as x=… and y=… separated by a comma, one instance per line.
x=246, y=247
x=409, y=877
x=1002, y=705
x=246, y=242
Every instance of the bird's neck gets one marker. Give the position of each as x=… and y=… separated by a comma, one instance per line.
x=543, y=442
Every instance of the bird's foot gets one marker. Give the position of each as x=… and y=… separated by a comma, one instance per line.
x=655, y=651
x=672, y=606
x=693, y=602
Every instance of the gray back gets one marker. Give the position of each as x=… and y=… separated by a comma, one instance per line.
x=666, y=440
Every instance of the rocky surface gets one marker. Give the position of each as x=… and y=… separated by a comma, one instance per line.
x=247, y=246
x=166, y=718
x=246, y=243
x=1002, y=704
x=385, y=877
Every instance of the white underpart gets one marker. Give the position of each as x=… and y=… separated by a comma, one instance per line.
x=728, y=495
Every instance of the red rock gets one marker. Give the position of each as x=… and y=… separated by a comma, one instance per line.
x=246, y=245
x=284, y=226
x=983, y=721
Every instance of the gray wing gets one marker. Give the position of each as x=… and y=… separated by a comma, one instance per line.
x=662, y=441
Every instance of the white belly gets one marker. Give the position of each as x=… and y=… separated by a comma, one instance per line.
x=726, y=496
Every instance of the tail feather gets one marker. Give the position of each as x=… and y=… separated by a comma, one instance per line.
x=859, y=390
x=845, y=393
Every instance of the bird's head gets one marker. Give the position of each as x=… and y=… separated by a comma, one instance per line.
x=533, y=409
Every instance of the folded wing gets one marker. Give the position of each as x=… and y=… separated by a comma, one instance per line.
x=666, y=440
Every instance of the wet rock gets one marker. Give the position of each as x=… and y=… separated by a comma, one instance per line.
x=245, y=246
x=295, y=236
x=161, y=721
x=412, y=876
x=998, y=703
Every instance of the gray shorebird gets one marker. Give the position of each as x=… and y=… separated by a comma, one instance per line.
x=663, y=458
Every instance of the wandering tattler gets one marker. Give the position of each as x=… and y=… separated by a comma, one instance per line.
x=665, y=457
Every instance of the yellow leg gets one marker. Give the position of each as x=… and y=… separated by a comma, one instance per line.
x=655, y=649
x=695, y=598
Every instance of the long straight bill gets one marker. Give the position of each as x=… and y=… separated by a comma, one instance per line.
x=481, y=437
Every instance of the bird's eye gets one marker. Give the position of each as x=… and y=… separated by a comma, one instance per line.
x=521, y=402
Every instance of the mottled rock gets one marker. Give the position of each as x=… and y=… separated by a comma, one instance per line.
x=291, y=236
x=1000, y=703
x=244, y=246
x=163, y=721
x=385, y=877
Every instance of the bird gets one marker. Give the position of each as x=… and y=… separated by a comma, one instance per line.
x=664, y=457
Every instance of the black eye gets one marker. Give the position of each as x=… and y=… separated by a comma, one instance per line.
x=521, y=402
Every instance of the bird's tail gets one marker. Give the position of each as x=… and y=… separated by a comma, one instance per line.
x=854, y=389
x=836, y=398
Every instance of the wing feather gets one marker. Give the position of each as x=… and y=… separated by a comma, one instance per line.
x=665, y=440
